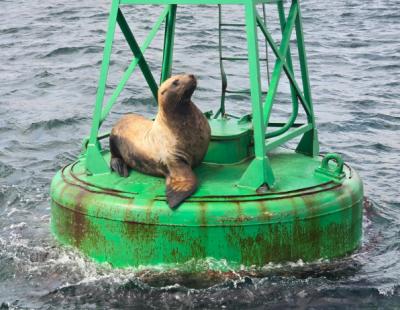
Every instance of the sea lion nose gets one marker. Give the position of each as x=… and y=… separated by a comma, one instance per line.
x=191, y=76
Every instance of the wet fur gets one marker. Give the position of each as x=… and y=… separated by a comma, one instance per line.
x=170, y=146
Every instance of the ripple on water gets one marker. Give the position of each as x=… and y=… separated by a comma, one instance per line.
x=5, y=170
x=70, y=50
x=56, y=123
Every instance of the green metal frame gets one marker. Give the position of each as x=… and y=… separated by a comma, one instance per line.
x=259, y=172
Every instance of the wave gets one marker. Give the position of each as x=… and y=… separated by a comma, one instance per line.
x=69, y=50
x=56, y=123
x=5, y=170
x=14, y=30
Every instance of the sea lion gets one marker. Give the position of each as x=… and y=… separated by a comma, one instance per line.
x=170, y=146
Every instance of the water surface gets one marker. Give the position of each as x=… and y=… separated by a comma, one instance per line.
x=50, y=58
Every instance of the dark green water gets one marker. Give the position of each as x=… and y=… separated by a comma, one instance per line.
x=50, y=55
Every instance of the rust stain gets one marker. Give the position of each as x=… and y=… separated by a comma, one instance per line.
x=350, y=170
x=109, y=191
x=263, y=197
x=265, y=215
x=203, y=214
x=63, y=189
x=198, y=245
x=93, y=191
x=149, y=209
x=247, y=198
x=79, y=220
x=240, y=217
x=143, y=236
x=75, y=227
x=313, y=233
x=128, y=209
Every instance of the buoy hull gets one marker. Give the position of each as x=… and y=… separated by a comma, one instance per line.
x=132, y=228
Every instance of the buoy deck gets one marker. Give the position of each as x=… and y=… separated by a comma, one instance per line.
x=216, y=181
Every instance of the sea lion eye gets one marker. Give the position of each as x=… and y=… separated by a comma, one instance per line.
x=175, y=83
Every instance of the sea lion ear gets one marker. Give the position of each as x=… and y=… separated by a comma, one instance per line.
x=181, y=183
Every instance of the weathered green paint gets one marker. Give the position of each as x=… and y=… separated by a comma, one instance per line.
x=224, y=79
x=295, y=105
x=259, y=172
x=336, y=173
x=137, y=59
x=230, y=142
x=168, y=43
x=134, y=46
x=283, y=51
x=96, y=164
x=255, y=204
x=128, y=222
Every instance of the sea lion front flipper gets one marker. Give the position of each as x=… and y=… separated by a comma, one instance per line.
x=119, y=166
x=181, y=183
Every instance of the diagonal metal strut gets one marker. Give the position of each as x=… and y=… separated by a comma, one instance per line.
x=137, y=53
x=280, y=60
x=281, y=64
x=138, y=59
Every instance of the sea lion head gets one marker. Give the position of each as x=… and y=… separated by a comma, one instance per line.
x=176, y=92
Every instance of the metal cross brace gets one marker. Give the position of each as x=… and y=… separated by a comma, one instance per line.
x=95, y=162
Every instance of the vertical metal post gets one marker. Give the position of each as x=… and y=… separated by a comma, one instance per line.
x=168, y=43
x=95, y=162
x=303, y=62
x=224, y=81
x=259, y=171
x=266, y=44
x=295, y=104
x=255, y=84
x=309, y=144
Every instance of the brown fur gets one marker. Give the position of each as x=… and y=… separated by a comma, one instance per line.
x=169, y=146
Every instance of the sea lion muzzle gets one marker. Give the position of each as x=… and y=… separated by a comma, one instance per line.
x=190, y=88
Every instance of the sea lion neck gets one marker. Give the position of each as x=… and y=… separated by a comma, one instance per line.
x=177, y=110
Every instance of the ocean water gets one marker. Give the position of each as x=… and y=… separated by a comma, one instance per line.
x=50, y=55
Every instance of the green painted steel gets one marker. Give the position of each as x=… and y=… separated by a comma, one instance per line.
x=259, y=172
x=230, y=142
x=224, y=80
x=295, y=106
x=126, y=221
x=168, y=43
x=138, y=59
x=256, y=203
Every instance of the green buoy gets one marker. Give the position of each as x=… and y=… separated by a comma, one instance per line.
x=257, y=202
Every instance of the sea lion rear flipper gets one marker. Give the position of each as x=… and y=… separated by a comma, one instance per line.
x=119, y=166
x=181, y=183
